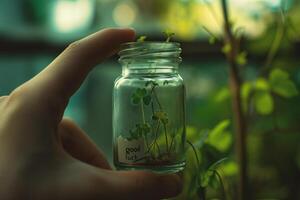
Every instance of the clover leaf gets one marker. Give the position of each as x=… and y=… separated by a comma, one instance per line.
x=138, y=95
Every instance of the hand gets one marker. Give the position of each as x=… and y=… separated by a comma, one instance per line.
x=43, y=156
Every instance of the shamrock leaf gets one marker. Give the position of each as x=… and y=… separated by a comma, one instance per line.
x=138, y=95
x=135, y=99
x=147, y=99
x=141, y=92
x=166, y=82
x=151, y=83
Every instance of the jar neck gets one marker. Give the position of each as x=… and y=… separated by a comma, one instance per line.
x=130, y=70
x=150, y=58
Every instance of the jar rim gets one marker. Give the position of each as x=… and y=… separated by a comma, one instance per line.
x=147, y=43
x=149, y=48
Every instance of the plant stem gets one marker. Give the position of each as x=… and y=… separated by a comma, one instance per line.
x=156, y=98
x=160, y=107
x=222, y=185
x=281, y=28
x=210, y=33
x=196, y=155
x=167, y=143
x=147, y=143
x=152, y=108
x=239, y=120
x=172, y=141
x=143, y=112
x=155, y=135
x=144, y=122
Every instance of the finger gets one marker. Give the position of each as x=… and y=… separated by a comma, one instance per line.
x=145, y=185
x=2, y=98
x=79, y=145
x=60, y=79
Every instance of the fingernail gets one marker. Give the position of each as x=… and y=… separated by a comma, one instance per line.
x=171, y=184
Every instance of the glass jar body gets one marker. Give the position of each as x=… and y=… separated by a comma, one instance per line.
x=149, y=121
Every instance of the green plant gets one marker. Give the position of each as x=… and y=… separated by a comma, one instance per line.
x=147, y=96
x=168, y=34
x=158, y=124
x=141, y=38
x=260, y=92
x=206, y=154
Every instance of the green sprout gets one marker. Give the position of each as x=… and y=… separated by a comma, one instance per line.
x=168, y=34
x=142, y=38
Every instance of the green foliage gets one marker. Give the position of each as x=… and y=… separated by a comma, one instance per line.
x=138, y=95
x=263, y=102
x=140, y=130
x=226, y=48
x=261, y=84
x=209, y=175
x=278, y=83
x=191, y=133
x=212, y=40
x=205, y=157
x=246, y=89
x=262, y=98
x=151, y=83
x=222, y=95
x=219, y=128
x=147, y=99
x=141, y=38
x=168, y=34
x=241, y=58
x=141, y=95
x=166, y=82
x=219, y=137
x=144, y=97
x=281, y=84
x=230, y=168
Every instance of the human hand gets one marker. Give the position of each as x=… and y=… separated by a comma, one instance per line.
x=43, y=156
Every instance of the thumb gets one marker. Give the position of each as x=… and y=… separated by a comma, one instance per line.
x=145, y=185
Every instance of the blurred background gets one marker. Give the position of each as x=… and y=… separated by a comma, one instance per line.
x=34, y=32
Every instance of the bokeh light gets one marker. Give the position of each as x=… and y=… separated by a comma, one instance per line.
x=124, y=14
x=70, y=16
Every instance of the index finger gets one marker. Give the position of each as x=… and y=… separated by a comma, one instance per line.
x=65, y=74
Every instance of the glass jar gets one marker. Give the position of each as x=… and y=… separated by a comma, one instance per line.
x=149, y=108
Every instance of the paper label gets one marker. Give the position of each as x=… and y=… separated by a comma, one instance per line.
x=130, y=151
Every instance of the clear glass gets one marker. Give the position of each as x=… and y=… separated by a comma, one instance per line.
x=149, y=108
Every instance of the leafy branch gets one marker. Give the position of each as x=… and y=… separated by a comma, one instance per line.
x=205, y=178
